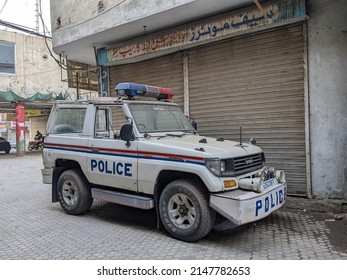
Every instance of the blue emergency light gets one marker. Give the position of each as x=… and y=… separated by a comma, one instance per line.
x=132, y=89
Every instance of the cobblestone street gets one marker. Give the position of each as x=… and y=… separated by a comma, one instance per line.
x=31, y=227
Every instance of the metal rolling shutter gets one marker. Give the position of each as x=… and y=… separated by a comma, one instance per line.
x=256, y=82
x=165, y=71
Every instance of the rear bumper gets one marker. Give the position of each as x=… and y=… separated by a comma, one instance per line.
x=241, y=207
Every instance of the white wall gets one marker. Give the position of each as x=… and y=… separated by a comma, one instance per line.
x=82, y=18
x=327, y=51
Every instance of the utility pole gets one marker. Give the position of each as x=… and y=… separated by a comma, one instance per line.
x=37, y=16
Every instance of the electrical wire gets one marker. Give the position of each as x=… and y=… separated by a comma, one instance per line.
x=38, y=73
x=22, y=28
x=3, y=7
x=19, y=44
x=31, y=31
x=63, y=66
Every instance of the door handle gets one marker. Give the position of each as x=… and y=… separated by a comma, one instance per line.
x=96, y=150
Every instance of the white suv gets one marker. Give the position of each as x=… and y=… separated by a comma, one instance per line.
x=147, y=154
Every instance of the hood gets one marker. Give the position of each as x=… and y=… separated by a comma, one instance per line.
x=201, y=146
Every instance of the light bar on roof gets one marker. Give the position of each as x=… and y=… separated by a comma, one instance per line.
x=132, y=89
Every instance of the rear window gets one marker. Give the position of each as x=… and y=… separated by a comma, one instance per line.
x=69, y=120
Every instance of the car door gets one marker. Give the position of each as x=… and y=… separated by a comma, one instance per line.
x=110, y=161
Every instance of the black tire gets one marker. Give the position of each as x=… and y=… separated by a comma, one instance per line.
x=30, y=148
x=74, y=192
x=184, y=210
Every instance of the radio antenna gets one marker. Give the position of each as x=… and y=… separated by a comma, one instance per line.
x=241, y=136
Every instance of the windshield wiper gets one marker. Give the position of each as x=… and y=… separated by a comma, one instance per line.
x=166, y=135
x=176, y=135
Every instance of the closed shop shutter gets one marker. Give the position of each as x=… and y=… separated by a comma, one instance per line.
x=255, y=82
x=165, y=71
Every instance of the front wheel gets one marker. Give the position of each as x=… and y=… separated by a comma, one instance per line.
x=184, y=210
x=74, y=192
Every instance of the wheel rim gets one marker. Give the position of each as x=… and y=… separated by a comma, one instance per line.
x=70, y=194
x=182, y=211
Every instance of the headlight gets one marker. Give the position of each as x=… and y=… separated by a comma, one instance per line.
x=280, y=176
x=272, y=171
x=223, y=166
x=216, y=166
x=265, y=175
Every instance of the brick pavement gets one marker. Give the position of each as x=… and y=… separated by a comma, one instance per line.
x=31, y=227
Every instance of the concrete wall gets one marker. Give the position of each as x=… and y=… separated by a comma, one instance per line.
x=36, y=71
x=327, y=51
x=82, y=18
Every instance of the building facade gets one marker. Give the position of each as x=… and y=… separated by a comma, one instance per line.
x=26, y=68
x=274, y=68
x=30, y=69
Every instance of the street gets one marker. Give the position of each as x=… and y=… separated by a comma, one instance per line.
x=31, y=228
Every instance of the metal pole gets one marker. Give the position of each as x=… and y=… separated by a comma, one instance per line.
x=186, y=82
x=77, y=86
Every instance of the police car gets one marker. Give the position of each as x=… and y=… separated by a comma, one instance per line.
x=147, y=154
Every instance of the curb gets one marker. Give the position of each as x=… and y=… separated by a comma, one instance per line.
x=334, y=206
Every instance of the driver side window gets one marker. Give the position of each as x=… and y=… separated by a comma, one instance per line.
x=102, y=123
x=108, y=122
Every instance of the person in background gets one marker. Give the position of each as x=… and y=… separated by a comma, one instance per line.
x=38, y=137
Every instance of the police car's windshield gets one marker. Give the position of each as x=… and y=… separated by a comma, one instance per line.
x=151, y=118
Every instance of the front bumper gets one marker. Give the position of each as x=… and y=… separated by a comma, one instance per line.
x=241, y=206
x=47, y=175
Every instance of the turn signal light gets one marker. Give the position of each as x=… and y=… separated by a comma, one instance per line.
x=230, y=184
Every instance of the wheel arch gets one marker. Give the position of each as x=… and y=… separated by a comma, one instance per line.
x=62, y=165
x=167, y=176
x=74, y=192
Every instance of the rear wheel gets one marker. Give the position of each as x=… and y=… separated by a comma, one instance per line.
x=74, y=192
x=184, y=210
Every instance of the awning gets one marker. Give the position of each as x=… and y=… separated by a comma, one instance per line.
x=12, y=97
x=38, y=101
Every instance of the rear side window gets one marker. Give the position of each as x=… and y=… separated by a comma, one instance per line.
x=69, y=120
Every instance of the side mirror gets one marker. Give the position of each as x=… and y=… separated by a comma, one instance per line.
x=126, y=133
x=193, y=122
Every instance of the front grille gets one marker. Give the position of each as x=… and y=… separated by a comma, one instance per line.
x=244, y=164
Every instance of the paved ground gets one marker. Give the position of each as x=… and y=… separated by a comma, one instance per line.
x=31, y=227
